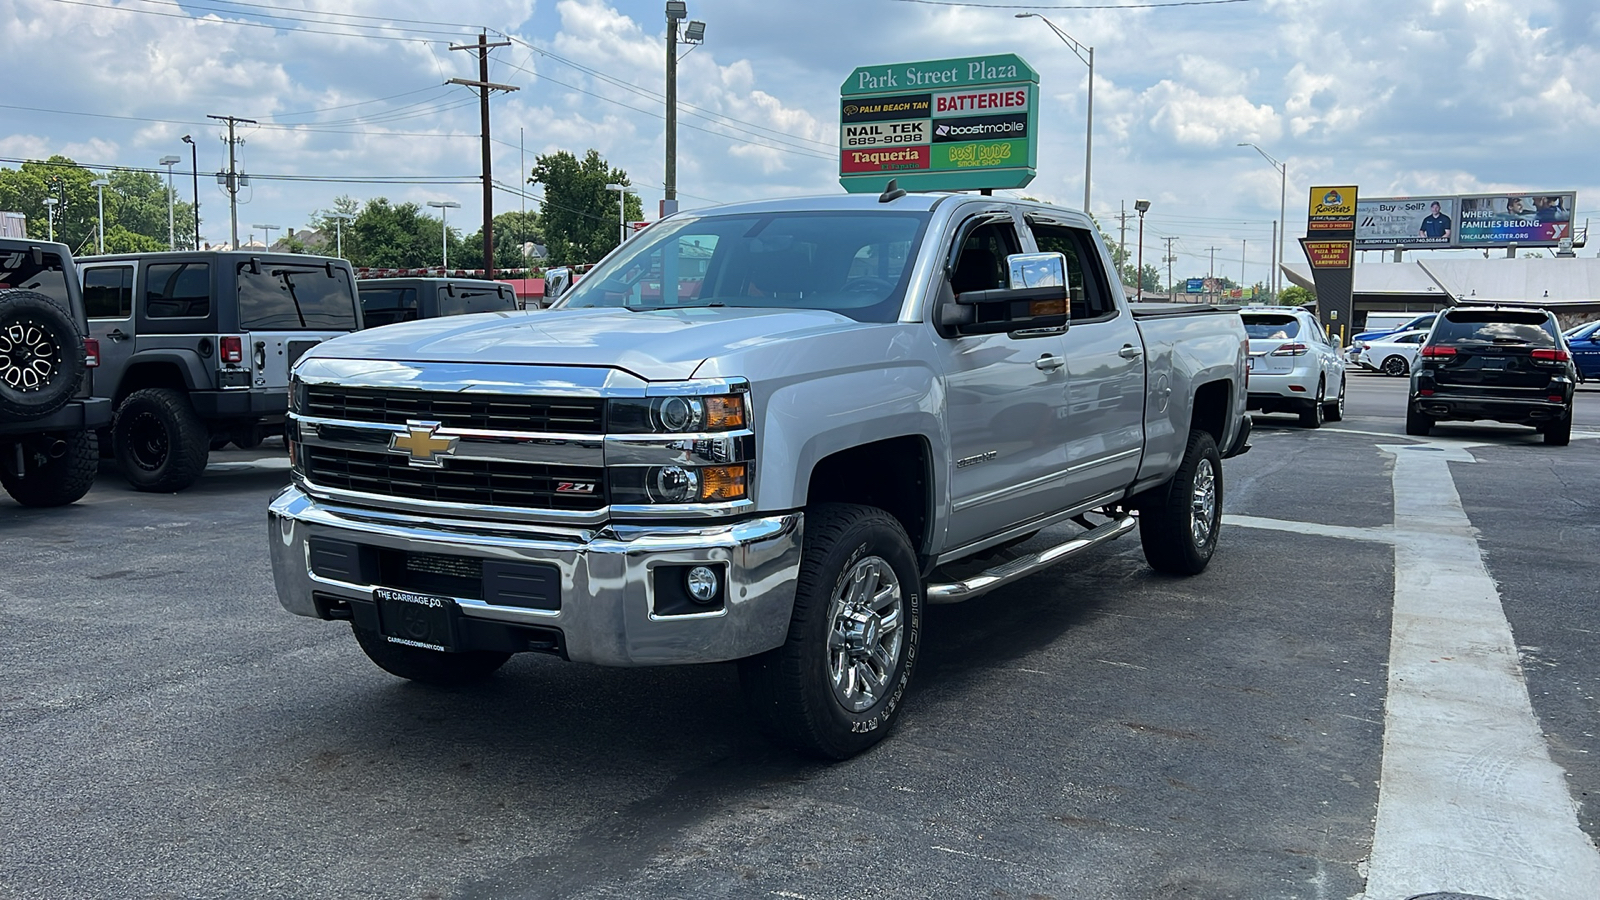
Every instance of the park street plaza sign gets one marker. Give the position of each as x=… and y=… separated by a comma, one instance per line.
x=945, y=125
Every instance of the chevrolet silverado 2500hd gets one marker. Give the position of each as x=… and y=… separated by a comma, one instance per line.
x=769, y=432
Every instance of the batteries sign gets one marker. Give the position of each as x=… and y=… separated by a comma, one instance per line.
x=952, y=124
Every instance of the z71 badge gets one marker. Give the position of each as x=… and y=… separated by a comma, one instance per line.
x=574, y=487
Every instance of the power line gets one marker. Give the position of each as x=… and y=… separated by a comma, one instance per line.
x=308, y=112
x=1074, y=6
x=330, y=179
x=200, y=20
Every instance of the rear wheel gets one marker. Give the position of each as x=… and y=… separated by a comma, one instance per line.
x=1559, y=434
x=1311, y=414
x=836, y=685
x=161, y=443
x=1418, y=424
x=1334, y=412
x=57, y=469
x=1396, y=365
x=1179, y=521
x=428, y=666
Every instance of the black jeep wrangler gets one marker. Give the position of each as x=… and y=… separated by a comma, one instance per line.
x=48, y=452
x=385, y=301
x=196, y=349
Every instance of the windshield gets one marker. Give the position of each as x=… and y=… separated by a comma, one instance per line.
x=1271, y=327
x=1496, y=327
x=296, y=297
x=853, y=263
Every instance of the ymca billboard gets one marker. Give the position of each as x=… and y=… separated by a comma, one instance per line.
x=1471, y=220
x=948, y=124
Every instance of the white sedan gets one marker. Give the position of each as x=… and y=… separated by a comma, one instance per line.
x=1293, y=366
x=1394, y=354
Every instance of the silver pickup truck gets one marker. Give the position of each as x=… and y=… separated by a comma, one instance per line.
x=770, y=432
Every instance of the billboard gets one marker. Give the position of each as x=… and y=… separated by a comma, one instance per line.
x=1542, y=219
x=1406, y=222
x=946, y=124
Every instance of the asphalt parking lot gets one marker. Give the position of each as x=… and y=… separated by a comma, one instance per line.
x=1269, y=729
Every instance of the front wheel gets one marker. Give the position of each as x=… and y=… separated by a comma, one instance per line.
x=836, y=685
x=57, y=469
x=428, y=666
x=1396, y=365
x=1179, y=521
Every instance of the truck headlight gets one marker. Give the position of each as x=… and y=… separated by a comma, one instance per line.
x=676, y=415
x=665, y=485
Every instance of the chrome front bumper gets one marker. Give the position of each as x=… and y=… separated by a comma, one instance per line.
x=608, y=612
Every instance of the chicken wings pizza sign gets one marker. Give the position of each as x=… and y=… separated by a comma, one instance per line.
x=948, y=124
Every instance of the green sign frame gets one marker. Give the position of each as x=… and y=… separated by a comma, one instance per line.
x=964, y=124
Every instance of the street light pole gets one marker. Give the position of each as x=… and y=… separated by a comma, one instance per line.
x=169, y=162
x=338, y=233
x=194, y=166
x=1283, y=199
x=694, y=33
x=1142, y=207
x=99, y=185
x=443, y=206
x=50, y=217
x=267, y=231
x=1085, y=54
x=622, y=210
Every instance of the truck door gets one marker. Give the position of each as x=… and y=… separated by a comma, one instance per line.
x=1003, y=394
x=108, y=299
x=288, y=308
x=1105, y=368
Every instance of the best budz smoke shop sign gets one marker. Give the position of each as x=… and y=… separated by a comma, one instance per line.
x=949, y=124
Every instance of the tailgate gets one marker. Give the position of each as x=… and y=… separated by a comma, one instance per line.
x=274, y=353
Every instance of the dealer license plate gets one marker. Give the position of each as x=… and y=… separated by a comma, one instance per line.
x=417, y=620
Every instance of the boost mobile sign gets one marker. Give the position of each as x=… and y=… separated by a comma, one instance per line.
x=948, y=124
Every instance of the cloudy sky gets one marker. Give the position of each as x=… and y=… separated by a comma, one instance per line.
x=1398, y=96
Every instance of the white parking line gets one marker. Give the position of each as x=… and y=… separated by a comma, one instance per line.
x=1469, y=800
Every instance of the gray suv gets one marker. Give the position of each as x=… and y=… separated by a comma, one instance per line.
x=48, y=452
x=196, y=349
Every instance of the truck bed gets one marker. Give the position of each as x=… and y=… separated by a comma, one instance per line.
x=1164, y=310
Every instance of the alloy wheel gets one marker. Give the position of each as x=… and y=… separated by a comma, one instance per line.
x=865, y=637
x=1203, y=503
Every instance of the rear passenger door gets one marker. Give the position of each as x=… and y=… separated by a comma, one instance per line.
x=1104, y=431
x=108, y=300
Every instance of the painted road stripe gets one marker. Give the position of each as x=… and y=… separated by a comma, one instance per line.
x=1469, y=800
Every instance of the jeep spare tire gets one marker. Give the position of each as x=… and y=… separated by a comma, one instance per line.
x=41, y=356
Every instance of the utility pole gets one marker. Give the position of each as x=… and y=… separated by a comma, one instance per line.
x=1244, y=247
x=1211, y=272
x=1272, y=276
x=1122, y=231
x=484, y=86
x=1169, y=261
x=233, y=181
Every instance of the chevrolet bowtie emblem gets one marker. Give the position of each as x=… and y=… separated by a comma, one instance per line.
x=424, y=446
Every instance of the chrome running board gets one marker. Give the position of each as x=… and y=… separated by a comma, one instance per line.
x=989, y=579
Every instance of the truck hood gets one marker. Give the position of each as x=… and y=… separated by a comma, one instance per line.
x=657, y=345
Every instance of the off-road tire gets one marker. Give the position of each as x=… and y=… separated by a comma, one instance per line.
x=790, y=689
x=51, y=481
x=1311, y=414
x=161, y=443
x=428, y=666
x=1418, y=424
x=41, y=356
x=1396, y=365
x=1168, y=513
x=1334, y=412
x=1559, y=433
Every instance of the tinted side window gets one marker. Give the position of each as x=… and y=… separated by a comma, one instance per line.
x=108, y=292
x=1087, y=302
x=177, y=290
x=473, y=300
x=388, y=305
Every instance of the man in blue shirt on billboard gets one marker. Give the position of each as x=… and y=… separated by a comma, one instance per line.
x=1435, y=226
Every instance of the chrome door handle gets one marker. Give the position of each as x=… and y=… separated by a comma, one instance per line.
x=1049, y=363
x=1129, y=351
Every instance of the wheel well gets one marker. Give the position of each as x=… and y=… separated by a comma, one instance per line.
x=149, y=375
x=894, y=475
x=1211, y=404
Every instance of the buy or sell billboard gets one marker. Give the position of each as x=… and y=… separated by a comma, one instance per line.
x=948, y=124
x=1472, y=220
x=1406, y=222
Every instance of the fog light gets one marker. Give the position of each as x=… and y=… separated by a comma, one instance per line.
x=701, y=583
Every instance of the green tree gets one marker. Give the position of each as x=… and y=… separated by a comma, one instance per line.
x=580, y=216
x=381, y=234
x=135, y=206
x=137, y=203
x=1295, y=295
x=511, y=231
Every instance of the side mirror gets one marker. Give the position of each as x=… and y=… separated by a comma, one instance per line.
x=1036, y=298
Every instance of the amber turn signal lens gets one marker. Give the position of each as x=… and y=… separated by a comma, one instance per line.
x=722, y=483
x=1047, y=308
x=725, y=413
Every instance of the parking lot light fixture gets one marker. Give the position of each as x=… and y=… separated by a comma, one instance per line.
x=1141, y=207
x=172, y=235
x=267, y=230
x=443, y=206
x=1085, y=55
x=50, y=216
x=1283, y=193
x=100, y=185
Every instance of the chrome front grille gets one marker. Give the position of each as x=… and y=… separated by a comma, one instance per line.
x=482, y=411
x=469, y=482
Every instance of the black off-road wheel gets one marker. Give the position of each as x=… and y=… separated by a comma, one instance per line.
x=1559, y=434
x=41, y=356
x=1334, y=411
x=1179, y=521
x=58, y=469
x=1311, y=414
x=836, y=686
x=161, y=442
x=428, y=666
x=1418, y=424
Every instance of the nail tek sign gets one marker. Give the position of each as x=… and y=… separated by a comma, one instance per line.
x=949, y=124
